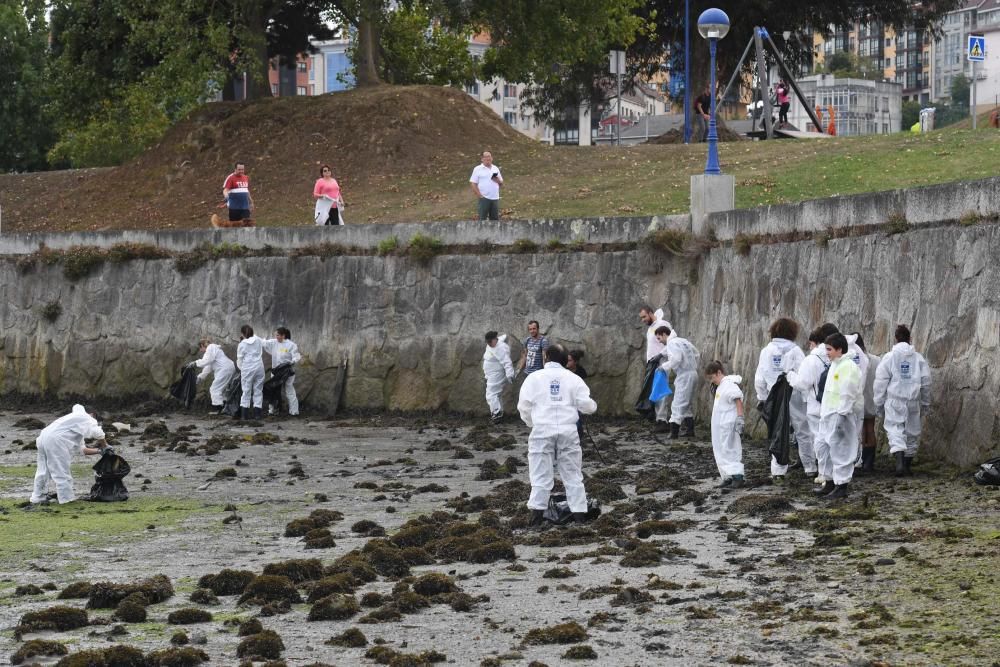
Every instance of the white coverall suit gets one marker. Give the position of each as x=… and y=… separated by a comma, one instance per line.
x=843, y=404
x=550, y=402
x=56, y=444
x=653, y=349
x=783, y=356
x=726, y=444
x=215, y=361
x=285, y=352
x=251, y=365
x=681, y=358
x=499, y=372
x=860, y=358
x=806, y=380
x=903, y=390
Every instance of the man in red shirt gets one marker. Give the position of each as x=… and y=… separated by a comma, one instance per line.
x=236, y=190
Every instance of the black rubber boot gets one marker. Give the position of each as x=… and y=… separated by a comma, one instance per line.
x=825, y=489
x=662, y=427
x=907, y=462
x=244, y=413
x=900, y=464
x=258, y=413
x=580, y=517
x=839, y=491
x=688, y=428
x=537, y=516
x=675, y=431
x=738, y=482
x=868, y=460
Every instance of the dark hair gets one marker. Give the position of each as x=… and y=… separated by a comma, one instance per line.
x=323, y=167
x=284, y=332
x=246, y=330
x=485, y=152
x=860, y=341
x=535, y=322
x=646, y=309
x=828, y=329
x=902, y=334
x=556, y=353
x=238, y=163
x=491, y=335
x=714, y=367
x=837, y=342
x=817, y=336
x=784, y=327
x=662, y=330
x=577, y=355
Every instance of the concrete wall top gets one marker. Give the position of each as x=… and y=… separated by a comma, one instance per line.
x=935, y=203
x=504, y=232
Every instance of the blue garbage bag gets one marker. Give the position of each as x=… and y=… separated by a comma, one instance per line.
x=661, y=386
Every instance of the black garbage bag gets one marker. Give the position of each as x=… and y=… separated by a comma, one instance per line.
x=232, y=394
x=109, y=471
x=185, y=389
x=989, y=473
x=273, y=385
x=643, y=405
x=559, y=513
x=778, y=420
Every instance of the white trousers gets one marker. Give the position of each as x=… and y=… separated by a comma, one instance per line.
x=290, y=396
x=662, y=409
x=816, y=431
x=803, y=437
x=728, y=449
x=680, y=408
x=555, y=447
x=218, y=389
x=252, y=381
x=53, y=463
x=839, y=449
x=495, y=383
x=902, y=426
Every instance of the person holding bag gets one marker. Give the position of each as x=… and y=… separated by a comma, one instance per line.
x=326, y=192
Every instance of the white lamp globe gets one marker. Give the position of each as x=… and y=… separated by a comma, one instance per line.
x=713, y=24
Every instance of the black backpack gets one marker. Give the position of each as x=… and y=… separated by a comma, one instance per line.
x=821, y=385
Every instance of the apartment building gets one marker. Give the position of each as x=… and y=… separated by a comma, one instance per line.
x=861, y=106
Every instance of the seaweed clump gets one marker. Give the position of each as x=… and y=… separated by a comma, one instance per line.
x=107, y=595
x=186, y=656
x=270, y=588
x=115, y=656
x=266, y=645
x=131, y=610
x=59, y=618
x=77, y=589
x=350, y=638
x=227, y=582
x=203, y=596
x=249, y=627
x=581, y=652
x=337, y=583
x=564, y=633
x=336, y=607
x=297, y=570
x=189, y=615
x=36, y=647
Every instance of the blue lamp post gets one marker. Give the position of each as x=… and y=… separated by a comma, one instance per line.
x=713, y=25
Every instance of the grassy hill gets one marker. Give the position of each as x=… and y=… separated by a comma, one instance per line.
x=405, y=154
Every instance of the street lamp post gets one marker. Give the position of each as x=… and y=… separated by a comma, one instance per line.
x=687, y=71
x=713, y=25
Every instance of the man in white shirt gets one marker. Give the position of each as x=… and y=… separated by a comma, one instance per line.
x=485, y=183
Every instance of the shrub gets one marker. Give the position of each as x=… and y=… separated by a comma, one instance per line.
x=896, y=224
x=388, y=246
x=123, y=252
x=324, y=249
x=555, y=245
x=424, y=248
x=970, y=218
x=51, y=311
x=671, y=241
x=80, y=261
x=742, y=244
x=524, y=246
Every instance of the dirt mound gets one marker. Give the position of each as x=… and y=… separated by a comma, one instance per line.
x=370, y=137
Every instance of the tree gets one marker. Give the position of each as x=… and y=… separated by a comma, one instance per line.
x=960, y=88
x=911, y=114
x=414, y=48
x=25, y=131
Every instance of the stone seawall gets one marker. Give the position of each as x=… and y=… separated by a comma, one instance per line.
x=413, y=334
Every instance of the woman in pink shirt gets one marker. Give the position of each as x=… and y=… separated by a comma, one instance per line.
x=327, y=196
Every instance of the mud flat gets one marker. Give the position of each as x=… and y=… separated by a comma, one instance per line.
x=401, y=541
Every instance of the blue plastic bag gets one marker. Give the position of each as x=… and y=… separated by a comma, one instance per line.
x=661, y=386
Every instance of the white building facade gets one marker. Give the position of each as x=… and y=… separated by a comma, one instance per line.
x=861, y=107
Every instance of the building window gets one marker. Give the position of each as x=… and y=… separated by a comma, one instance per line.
x=509, y=90
x=312, y=88
x=510, y=118
x=473, y=89
x=312, y=74
x=274, y=89
x=301, y=90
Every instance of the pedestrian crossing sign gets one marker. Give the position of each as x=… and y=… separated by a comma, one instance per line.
x=977, y=48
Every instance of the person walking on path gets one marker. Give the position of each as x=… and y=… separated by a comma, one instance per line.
x=485, y=183
x=326, y=192
x=236, y=191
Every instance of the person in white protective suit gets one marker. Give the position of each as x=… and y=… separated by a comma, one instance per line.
x=214, y=361
x=809, y=379
x=681, y=357
x=56, y=444
x=727, y=424
x=858, y=356
x=654, y=348
x=868, y=444
x=250, y=361
x=499, y=372
x=283, y=350
x=902, y=394
x=843, y=402
x=550, y=402
x=782, y=355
